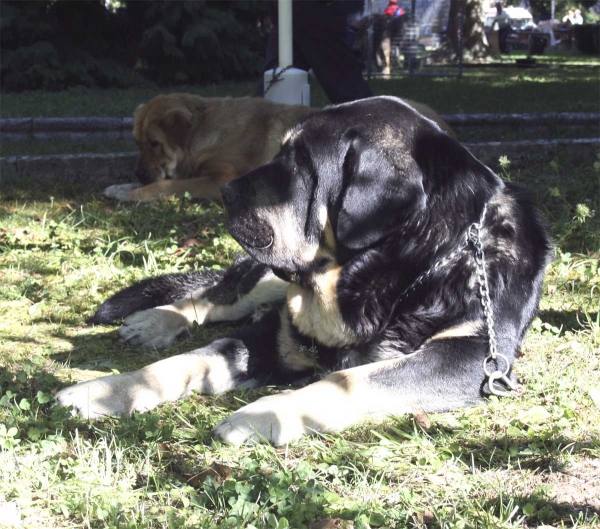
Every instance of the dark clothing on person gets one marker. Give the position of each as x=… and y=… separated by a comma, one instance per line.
x=503, y=34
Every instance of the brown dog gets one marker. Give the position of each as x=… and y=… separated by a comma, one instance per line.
x=191, y=144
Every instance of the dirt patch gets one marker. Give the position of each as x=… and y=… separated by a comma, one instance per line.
x=572, y=489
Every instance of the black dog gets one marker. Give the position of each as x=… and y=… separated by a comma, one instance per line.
x=390, y=256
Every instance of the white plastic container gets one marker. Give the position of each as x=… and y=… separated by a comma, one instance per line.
x=291, y=87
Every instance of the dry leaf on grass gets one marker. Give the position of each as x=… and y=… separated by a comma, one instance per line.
x=332, y=523
x=217, y=471
x=421, y=418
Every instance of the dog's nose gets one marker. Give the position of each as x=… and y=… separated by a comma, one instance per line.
x=230, y=195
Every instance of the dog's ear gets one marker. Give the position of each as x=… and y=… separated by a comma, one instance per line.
x=377, y=193
x=450, y=172
x=177, y=125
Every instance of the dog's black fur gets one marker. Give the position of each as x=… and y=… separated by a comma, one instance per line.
x=362, y=199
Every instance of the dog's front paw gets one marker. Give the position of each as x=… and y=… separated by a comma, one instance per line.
x=98, y=398
x=155, y=328
x=275, y=419
x=122, y=192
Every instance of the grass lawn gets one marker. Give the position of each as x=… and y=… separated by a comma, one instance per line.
x=518, y=462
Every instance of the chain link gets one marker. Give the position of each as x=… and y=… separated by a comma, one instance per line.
x=473, y=237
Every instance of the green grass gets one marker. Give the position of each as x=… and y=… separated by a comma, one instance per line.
x=563, y=86
x=517, y=462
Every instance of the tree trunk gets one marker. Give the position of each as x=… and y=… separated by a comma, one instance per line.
x=475, y=45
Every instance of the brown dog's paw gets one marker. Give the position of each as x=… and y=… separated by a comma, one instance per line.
x=123, y=192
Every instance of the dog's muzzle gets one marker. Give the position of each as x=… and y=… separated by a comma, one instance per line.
x=249, y=230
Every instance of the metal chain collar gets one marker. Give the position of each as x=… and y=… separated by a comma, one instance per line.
x=473, y=236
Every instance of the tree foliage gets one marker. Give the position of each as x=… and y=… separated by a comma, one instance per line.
x=543, y=8
x=55, y=44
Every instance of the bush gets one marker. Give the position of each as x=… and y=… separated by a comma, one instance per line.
x=56, y=44
x=195, y=41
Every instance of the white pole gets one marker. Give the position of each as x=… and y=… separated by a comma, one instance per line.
x=553, y=10
x=286, y=55
x=286, y=84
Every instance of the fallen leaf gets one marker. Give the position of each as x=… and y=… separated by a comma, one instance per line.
x=217, y=471
x=188, y=242
x=332, y=523
x=421, y=418
x=425, y=517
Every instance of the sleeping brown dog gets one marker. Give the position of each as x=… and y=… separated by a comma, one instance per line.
x=191, y=144
x=195, y=145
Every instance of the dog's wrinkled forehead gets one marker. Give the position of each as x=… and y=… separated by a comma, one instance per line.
x=388, y=122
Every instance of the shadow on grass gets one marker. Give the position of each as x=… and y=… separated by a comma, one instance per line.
x=544, y=511
x=567, y=320
x=42, y=191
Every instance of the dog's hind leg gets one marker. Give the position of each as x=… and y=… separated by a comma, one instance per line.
x=188, y=298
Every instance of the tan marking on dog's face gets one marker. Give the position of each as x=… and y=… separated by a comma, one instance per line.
x=506, y=212
x=289, y=239
x=464, y=330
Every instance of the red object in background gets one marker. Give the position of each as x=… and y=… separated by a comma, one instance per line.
x=392, y=10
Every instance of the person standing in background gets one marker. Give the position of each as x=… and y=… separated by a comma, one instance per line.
x=503, y=20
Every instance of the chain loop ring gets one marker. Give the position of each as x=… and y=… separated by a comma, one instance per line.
x=499, y=356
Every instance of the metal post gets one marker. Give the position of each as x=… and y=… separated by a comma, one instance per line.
x=461, y=43
x=370, y=40
x=284, y=21
x=413, y=39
